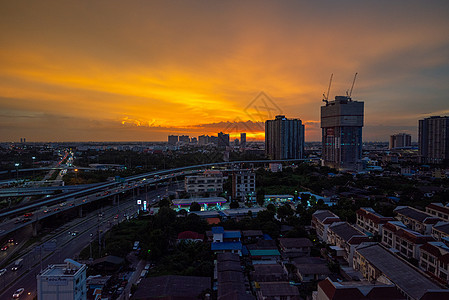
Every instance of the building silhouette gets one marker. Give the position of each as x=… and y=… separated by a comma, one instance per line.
x=433, y=139
x=284, y=138
x=400, y=140
x=341, y=124
x=223, y=140
x=172, y=139
x=243, y=140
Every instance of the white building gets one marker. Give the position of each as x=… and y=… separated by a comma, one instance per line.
x=244, y=185
x=210, y=182
x=62, y=282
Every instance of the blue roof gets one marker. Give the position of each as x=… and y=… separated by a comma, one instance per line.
x=226, y=246
x=217, y=229
x=267, y=237
x=232, y=234
x=395, y=199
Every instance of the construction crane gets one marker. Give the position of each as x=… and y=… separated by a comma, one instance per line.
x=348, y=94
x=326, y=96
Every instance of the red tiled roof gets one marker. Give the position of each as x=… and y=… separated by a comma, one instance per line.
x=435, y=251
x=377, y=219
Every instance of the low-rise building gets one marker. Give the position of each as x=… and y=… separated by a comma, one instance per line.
x=435, y=260
x=321, y=219
x=311, y=268
x=397, y=236
x=269, y=273
x=332, y=290
x=440, y=230
x=370, y=221
x=226, y=241
x=276, y=291
x=345, y=238
x=375, y=262
x=244, y=185
x=438, y=210
x=415, y=219
x=210, y=182
x=295, y=246
x=62, y=281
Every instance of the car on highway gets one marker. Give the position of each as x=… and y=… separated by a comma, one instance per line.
x=4, y=248
x=2, y=271
x=11, y=241
x=18, y=293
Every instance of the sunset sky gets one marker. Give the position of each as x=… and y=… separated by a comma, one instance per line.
x=140, y=70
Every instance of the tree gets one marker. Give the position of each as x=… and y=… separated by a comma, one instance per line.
x=195, y=206
x=271, y=207
x=234, y=204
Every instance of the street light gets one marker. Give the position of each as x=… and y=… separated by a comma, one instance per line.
x=34, y=157
x=17, y=171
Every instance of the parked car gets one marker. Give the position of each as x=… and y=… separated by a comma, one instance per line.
x=2, y=271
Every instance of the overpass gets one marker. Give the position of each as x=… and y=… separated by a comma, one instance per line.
x=60, y=203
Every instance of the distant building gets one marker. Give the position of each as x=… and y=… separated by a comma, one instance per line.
x=203, y=140
x=435, y=259
x=244, y=185
x=172, y=139
x=184, y=139
x=415, y=219
x=370, y=221
x=400, y=140
x=284, y=138
x=243, y=140
x=341, y=123
x=433, y=139
x=438, y=210
x=236, y=143
x=321, y=220
x=62, y=281
x=194, y=140
x=223, y=140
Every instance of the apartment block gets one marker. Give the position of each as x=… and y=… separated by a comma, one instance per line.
x=244, y=185
x=210, y=182
x=415, y=219
x=321, y=219
x=406, y=242
x=370, y=221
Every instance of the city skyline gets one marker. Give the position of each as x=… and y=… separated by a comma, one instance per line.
x=140, y=71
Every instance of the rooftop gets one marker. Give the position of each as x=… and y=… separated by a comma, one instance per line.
x=399, y=272
x=415, y=214
x=346, y=231
x=210, y=200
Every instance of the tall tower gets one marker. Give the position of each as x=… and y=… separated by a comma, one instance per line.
x=341, y=123
x=243, y=140
x=433, y=139
x=284, y=138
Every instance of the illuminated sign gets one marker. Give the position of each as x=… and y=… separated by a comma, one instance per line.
x=139, y=202
x=144, y=205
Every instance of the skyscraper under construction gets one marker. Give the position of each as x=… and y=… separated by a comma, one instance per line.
x=341, y=123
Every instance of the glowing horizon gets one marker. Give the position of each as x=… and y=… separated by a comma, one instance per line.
x=139, y=71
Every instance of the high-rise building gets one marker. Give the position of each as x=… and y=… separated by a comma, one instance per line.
x=62, y=281
x=400, y=140
x=433, y=139
x=284, y=138
x=243, y=140
x=244, y=185
x=172, y=139
x=223, y=140
x=184, y=139
x=341, y=123
x=203, y=140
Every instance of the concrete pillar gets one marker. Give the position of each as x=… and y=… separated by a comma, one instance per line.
x=114, y=200
x=36, y=227
x=80, y=211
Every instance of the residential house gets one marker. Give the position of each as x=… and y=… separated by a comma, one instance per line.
x=435, y=260
x=277, y=291
x=269, y=273
x=226, y=241
x=376, y=263
x=332, y=290
x=415, y=219
x=397, y=236
x=438, y=210
x=345, y=237
x=294, y=247
x=321, y=219
x=370, y=221
x=440, y=230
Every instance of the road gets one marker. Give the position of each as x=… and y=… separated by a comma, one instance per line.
x=67, y=245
